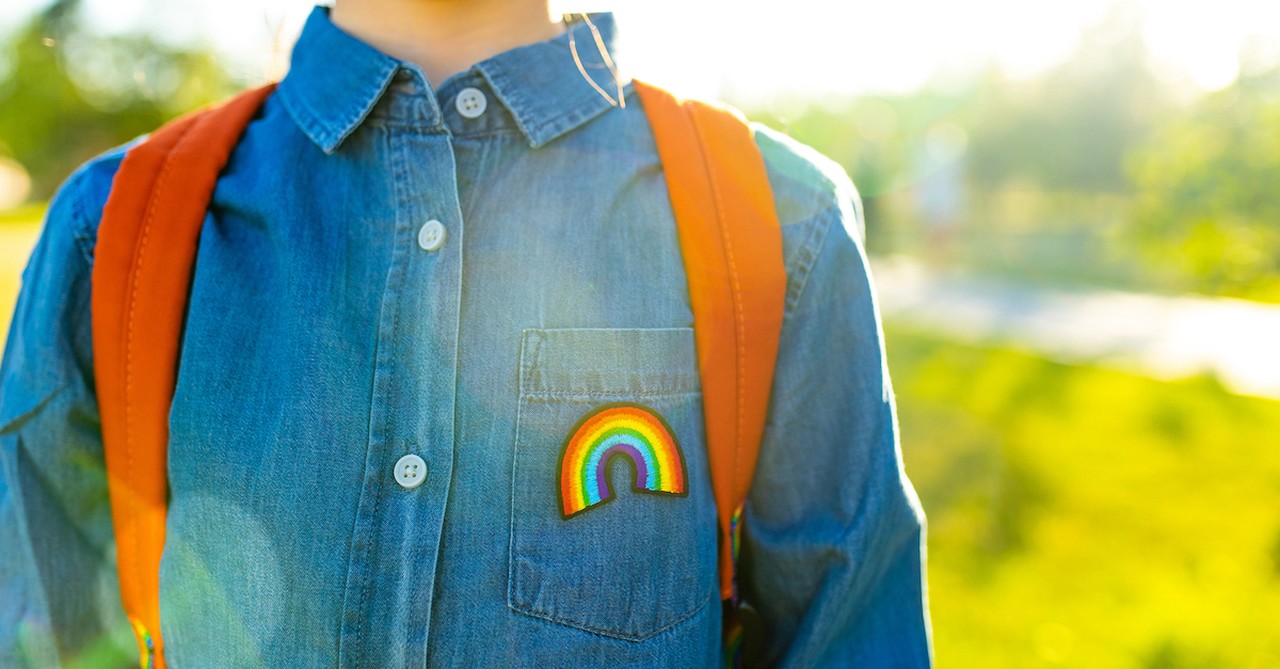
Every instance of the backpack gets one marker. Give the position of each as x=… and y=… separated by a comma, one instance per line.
x=730, y=240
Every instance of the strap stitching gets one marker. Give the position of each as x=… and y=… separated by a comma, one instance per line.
x=739, y=323
x=138, y=255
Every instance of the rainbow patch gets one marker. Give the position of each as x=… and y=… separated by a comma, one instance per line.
x=623, y=429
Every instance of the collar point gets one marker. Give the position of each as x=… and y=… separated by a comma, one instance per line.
x=329, y=146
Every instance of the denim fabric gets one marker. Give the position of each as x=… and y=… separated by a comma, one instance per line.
x=323, y=343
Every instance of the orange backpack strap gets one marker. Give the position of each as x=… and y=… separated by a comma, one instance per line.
x=141, y=274
x=732, y=246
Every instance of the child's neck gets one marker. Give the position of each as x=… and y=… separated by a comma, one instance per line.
x=445, y=37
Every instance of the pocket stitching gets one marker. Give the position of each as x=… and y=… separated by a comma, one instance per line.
x=595, y=397
x=612, y=634
x=532, y=364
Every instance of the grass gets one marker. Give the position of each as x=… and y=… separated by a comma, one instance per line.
x=18, y=231
x=1081, y=517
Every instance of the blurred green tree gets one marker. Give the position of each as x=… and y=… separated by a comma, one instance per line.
x=68, y=92
x=1069, y=129
x=1039, y=164
x=1208, y=206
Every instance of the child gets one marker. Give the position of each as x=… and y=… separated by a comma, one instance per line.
x=416, y=275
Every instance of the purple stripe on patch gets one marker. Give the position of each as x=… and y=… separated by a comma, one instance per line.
x=602, y=473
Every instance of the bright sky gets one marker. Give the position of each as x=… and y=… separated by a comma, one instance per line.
x=750, y=48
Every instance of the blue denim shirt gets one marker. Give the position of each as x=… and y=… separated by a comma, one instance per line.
x=333, y=330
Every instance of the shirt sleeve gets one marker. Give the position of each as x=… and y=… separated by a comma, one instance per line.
x=59, y=593
x=833, y=538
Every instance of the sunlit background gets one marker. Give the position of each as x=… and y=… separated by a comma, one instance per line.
x=1073, y=215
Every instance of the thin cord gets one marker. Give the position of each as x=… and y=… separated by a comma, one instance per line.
x=621, y=101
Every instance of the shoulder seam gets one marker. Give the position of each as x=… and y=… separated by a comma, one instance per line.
x=85, y=238
x=808, y=254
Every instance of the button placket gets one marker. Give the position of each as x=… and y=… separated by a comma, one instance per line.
x=389, y=595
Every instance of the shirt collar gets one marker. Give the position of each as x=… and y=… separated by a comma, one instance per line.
x=335, y=80
x=542, y=87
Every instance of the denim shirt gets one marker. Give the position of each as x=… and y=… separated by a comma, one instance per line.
x=460, y=273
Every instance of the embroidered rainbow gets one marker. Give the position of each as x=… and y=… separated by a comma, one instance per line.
x=618, y=429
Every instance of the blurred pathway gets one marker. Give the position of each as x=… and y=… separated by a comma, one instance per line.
x=1157, y=336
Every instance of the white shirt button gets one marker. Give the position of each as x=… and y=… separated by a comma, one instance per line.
x=411, y=471
x=471, y=102
x=431, y=235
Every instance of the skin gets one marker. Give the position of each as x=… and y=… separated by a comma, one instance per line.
x=445, y=37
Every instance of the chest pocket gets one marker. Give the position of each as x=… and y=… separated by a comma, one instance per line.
x=612, y=515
